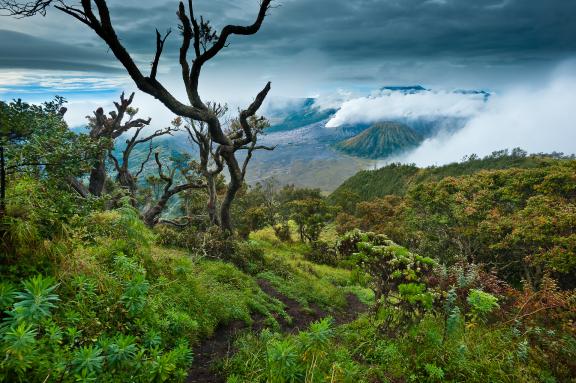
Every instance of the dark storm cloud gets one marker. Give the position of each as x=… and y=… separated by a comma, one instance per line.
x=24, y=51
x=364, y=29
x=487, y=32
x=346, y=32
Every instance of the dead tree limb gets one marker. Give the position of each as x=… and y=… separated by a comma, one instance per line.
x=206, y=43
x=106, y=129
x=122, y=166
x=152, y=214
x=211, y=163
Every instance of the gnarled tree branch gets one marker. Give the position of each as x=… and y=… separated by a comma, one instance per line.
x=152, y=214
x=159, y=47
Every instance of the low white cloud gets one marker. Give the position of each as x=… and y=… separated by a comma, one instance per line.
x=537, y=119
x=49, y=82
x=333, y=100
x=390, y=105
x=84, y=92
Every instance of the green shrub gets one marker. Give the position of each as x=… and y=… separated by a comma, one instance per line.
x=184, y=238
x=135, y=294
x=247, y=256
x=321, y=252
x=310, y=356
x=481, y=304
x=123, y=224
x=399, y=278
x=88, y=362
x=282, y=232
x=347, y=244
x=35, y=301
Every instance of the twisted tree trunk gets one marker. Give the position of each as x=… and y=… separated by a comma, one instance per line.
x=152, y=214
x=103, y=127
x=97, y=177
x=236, y=180
x=212, y=200
x=204, y=46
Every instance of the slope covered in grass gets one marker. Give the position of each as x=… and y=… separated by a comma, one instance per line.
x=97, y=299
x=397, y=178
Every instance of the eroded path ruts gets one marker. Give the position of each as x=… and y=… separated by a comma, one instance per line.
x=219, y=346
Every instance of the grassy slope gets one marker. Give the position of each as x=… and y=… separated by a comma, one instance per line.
x=117, y=281
x=238, y=293
x=302, y=280
x=396, y=179
x=433, y=350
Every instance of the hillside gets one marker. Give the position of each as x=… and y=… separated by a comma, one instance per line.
x=381, y=140
x=396, y=178
x=301, y=114
x=89, y=293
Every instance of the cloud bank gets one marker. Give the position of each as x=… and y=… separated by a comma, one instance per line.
x=391, y=105
x=309, y=46
x=539, y=119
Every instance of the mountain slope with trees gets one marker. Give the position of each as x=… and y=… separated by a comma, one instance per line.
x=396, y=178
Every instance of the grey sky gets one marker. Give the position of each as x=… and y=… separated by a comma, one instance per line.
x=315, y=45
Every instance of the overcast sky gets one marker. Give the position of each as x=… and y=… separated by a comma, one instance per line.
x=305, y=47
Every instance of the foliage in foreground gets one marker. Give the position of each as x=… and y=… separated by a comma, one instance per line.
x=87, y=295
x=433, y=325
x=109, y=305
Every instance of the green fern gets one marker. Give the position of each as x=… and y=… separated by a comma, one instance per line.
x=54, y=334
x=18, y=347
x=318, y=337
x=87, y=362
x=283, y=363
x=135, y=294
x=36, y=301
x=122, y=350
x=163, y=365
x=182, y=353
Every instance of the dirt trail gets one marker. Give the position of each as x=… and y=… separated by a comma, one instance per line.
x=219, y=345
x=211, y=350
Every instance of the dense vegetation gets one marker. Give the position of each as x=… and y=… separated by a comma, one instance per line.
x=518, y=221
x=396, y=178
x=462, y=274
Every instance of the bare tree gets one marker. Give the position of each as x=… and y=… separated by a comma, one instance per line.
x=122, y=166
x=109, y=128
x=151, y=215
x=211, y=163
x=237, y=171
x=205, y=44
